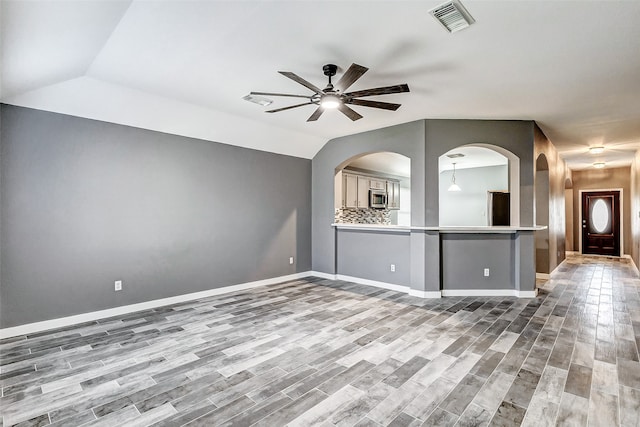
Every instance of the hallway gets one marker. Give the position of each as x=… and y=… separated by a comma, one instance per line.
x=593, y=372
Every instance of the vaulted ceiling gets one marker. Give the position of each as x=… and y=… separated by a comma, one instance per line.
x=182, y=67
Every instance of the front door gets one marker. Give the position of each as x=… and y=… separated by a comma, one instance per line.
x=601, y=223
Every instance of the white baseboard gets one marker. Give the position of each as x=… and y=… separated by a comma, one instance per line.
x=374, y=283
x=634, y=266
x=321, y=275
x=377, y=284
x=488, y=293
x=425, y=294
x=430, y=294
x=31, y=328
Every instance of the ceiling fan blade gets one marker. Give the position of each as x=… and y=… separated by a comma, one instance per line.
x=349, y=112
x=316, y=114
x=278, y=94
x=300, y=80
x=288, y=108
x=354, y=72
x=374, y=104
x=387, y=90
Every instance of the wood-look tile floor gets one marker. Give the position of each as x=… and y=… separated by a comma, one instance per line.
x=320, y=352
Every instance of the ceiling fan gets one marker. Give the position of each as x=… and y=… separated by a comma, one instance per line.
x=333, y=96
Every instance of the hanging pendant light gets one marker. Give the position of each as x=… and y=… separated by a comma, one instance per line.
x=454, y=186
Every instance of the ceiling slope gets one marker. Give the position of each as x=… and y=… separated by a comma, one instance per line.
x=183, y=67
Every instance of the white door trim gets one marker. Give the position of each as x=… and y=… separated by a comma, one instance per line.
x=621, y=219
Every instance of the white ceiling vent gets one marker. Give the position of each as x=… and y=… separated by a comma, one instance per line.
x=455, y=155
x=453, y=16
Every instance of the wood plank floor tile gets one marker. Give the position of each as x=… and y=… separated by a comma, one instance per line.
x=325, y=352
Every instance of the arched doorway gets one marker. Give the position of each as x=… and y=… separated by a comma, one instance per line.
x=568, y=215
x=541, y=185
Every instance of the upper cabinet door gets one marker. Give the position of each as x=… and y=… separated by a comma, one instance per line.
x=377, y=184
x=350, y=191
x=363, y=192
x=393, y=195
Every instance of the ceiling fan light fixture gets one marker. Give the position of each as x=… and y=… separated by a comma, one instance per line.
x=596, y=150
x=330, y=101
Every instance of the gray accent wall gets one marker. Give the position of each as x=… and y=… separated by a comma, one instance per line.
x=465, y=256
x=406, y=139
x=369, y=255
x=85, y=203
x=513, y=135
x=423, y=141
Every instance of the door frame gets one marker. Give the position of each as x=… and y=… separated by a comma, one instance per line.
x=621, y=218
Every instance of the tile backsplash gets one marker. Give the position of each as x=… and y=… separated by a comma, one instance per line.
x=363, y=216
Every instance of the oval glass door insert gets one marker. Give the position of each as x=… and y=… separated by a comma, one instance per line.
x=600, y=216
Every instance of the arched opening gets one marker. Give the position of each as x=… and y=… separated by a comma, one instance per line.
x=541, y=185
x=373, y=188
x=568, y=215
x=486, y=190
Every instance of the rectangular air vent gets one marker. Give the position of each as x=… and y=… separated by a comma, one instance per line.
x=453, y=16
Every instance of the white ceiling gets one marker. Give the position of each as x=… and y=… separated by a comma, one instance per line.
x=474, y=157
x=183, y=66
x=384, y=162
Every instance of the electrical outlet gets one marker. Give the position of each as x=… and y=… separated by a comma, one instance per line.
x=291, y=260
x=393, y=268
x=486, y=272
x=118, y=285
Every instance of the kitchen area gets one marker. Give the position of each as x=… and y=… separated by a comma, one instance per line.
x=374, y=189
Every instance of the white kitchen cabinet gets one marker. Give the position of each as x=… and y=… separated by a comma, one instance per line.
x=355, y=191
x=377, y=184
x=363, y=192
x=393, y=195
x=350, y=191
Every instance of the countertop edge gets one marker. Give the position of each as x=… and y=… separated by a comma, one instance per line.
x=408, y=229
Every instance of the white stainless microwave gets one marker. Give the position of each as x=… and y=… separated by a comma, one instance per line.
x=377, y=199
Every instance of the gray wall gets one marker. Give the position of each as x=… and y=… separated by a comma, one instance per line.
x=465, y=256
x=406, y=139
x=423, y=142
x=445, y=135
x=84, y=203
x=469, y=206
x=369, y=255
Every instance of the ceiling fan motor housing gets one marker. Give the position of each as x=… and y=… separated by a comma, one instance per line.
x=330, y=70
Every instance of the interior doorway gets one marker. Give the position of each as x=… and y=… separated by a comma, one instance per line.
x=601, y=222
x=541, y=185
